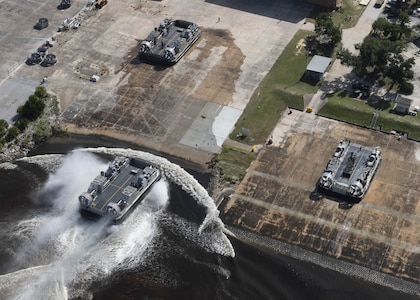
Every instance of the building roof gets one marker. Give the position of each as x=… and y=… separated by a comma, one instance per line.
x=318, y=64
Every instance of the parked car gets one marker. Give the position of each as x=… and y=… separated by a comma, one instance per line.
x=64, y=4
x=379, y=3
x=41, y=24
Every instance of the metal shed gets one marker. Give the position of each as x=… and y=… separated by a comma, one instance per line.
x=402, y=105
x=317, y=66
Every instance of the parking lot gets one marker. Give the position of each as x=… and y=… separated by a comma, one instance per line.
x=186, y=110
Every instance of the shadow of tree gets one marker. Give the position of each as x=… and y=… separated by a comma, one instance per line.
x=339, y=84
x=378, y=102
x=343, y=93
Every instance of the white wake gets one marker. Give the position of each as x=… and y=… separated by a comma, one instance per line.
x=62, y=254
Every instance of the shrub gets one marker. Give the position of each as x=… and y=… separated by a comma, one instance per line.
x=12, y=133
x=40, y=92
x=56, y=130
x=3, y=127
x=42, y=132
x=22, y=123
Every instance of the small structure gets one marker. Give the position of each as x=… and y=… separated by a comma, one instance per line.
x=317, y=67
x=402, y=105
x=94, y=78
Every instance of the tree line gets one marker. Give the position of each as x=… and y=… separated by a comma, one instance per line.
x=380, y=54
x=28, y=112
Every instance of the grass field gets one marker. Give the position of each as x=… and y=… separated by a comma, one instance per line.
x=346, y=17
x=282, y=87
x=359, y=112
x=404, y=123
x=233, y=163
x=348, y=109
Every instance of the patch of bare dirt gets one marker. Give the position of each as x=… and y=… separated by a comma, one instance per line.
x=300, y=46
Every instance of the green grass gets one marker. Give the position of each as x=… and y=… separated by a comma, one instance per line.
x=289, y=68
x=282, y=87
x=344, y=108
x=348, y=109
x=406, y=123
x=261, y=115
x=233, y=162
x=348, y=8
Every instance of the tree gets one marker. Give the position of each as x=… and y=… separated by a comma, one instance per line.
x=32, y=108
x=393, y=31
x=327, y=35
x=380, y=26
x=406, y=88
x=374, y=52
x=12, y=133
x=349, y=59
x=22, y=123
x=404, y=19
x=386, y=30
x=326, y=32
x=399, y=70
